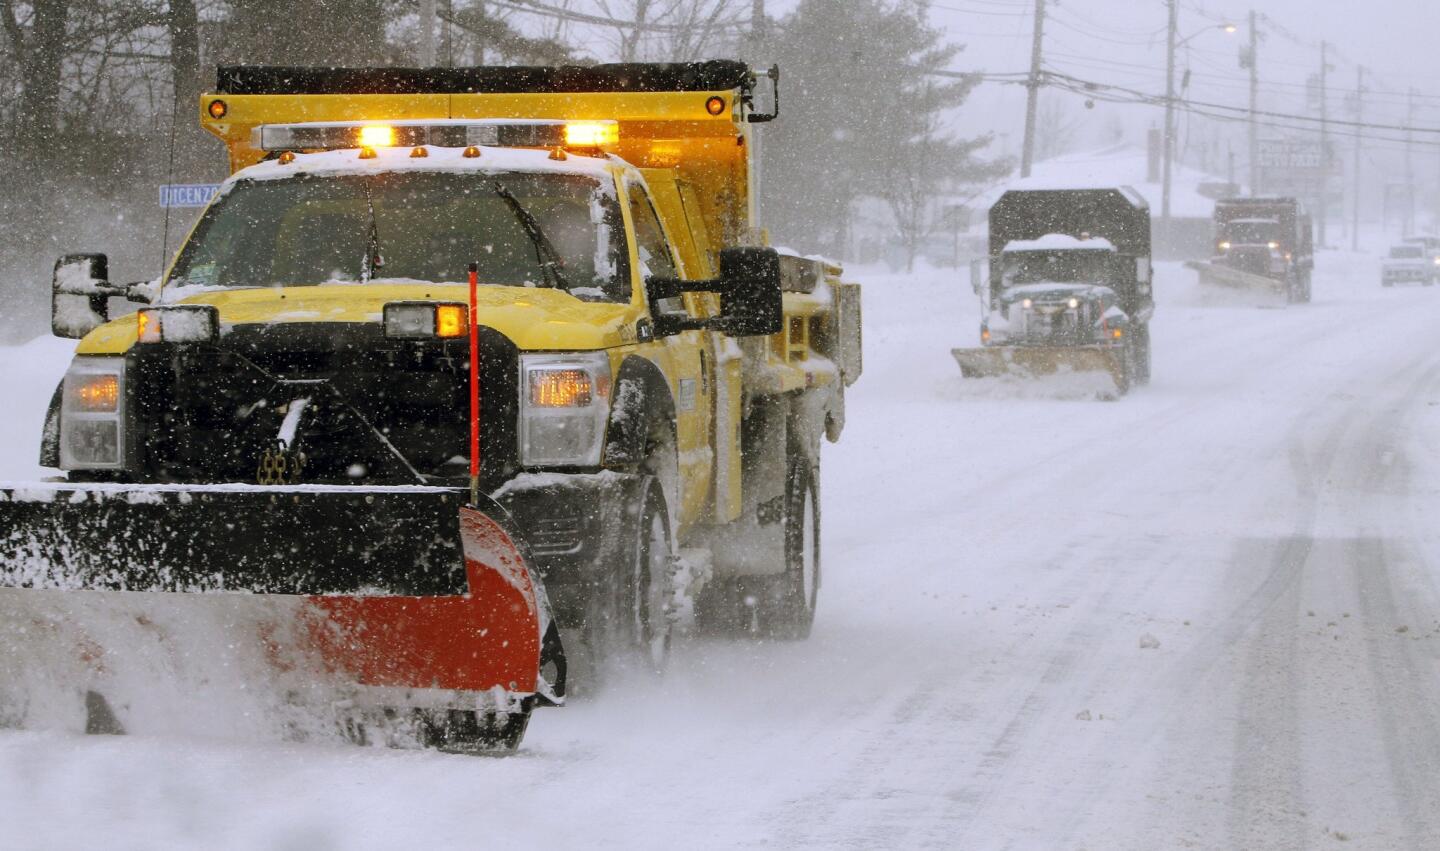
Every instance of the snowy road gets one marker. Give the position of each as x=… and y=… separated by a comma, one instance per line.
x=1206, y=616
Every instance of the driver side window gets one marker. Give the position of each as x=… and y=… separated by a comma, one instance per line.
x=656, y=260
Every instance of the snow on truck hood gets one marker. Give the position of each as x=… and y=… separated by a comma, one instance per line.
x=533, y=318
x=1058, y=289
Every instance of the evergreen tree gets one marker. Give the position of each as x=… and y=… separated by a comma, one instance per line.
x=863, y=116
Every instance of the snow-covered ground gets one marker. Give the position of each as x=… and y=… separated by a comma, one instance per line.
x=1205, y=616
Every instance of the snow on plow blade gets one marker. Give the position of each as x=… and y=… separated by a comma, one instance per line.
x=1038, y=361
x=379, y=615
x=1216, y=275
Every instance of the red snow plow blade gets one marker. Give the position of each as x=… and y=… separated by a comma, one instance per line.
x=139, y=609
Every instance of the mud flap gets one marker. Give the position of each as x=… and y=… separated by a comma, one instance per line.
x=115, y=617
x=1038, y=361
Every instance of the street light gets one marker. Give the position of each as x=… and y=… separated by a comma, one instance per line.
x=1170, y=103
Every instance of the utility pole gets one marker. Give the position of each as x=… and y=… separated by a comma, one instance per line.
x=1254, y=105
x=757, y=37
x=1359, y=129
x=1324, y=204
x=1409, y=163
x=1027, y=152
x=427, y=33
x=1169, y=141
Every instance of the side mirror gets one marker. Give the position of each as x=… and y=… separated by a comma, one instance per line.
x=763, y=98
x=750, y=301
x=79, y=295
x=749, y=289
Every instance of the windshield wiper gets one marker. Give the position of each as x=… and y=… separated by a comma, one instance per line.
x=374, y=260
x=551, y=263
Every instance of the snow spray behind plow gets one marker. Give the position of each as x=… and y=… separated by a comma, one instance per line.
x=370, y=614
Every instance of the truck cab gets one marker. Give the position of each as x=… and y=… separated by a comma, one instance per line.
x=1055, y=291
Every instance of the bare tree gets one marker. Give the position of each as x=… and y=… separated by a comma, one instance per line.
x=1055, y=127
x=672, y=30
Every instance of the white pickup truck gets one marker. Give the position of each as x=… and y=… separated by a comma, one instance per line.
x=1409, y=262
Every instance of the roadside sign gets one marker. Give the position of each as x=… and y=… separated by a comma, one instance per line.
x=187, y=194
x=1289, y=154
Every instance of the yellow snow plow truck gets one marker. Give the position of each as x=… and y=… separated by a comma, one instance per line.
x=460, y=367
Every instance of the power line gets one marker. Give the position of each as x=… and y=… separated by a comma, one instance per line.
x=1285, y=121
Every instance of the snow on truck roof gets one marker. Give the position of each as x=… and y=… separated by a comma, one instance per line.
x=491, y=161
x=1059, y=242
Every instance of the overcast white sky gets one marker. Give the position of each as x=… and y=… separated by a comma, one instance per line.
x=1123, y=43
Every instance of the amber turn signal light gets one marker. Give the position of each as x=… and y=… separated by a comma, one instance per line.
x=450, y=320
x=560, y=388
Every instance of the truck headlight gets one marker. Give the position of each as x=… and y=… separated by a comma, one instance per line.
x=564, y=405
x=92, y=414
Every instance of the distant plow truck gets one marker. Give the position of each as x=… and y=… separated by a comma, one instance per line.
x=1068, y=289
x=1263, y=245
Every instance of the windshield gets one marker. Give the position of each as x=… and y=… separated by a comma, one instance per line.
x=1407, y=252
x=423, y=226
x=1033, y=267
x=1250, y=231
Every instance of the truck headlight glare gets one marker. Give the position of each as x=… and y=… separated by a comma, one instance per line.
x=560, y=388
x=591, y=134
x=564, y=407
x=94, y=394
x=92, y=414
x=377, y=136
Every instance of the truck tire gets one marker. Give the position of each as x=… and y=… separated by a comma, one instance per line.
x=627, y=622
x=787, y=612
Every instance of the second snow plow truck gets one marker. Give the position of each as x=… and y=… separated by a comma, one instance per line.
x=460, y=367
x=1068, y=289
x=1262, y=244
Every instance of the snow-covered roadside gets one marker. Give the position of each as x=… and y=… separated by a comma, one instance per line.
x=29, y=374
x=993, y=568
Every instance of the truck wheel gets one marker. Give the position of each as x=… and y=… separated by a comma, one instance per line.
x=627, y=615
x=650, y=603
x=789, y=610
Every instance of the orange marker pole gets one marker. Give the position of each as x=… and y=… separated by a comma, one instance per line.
x=474, y=387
